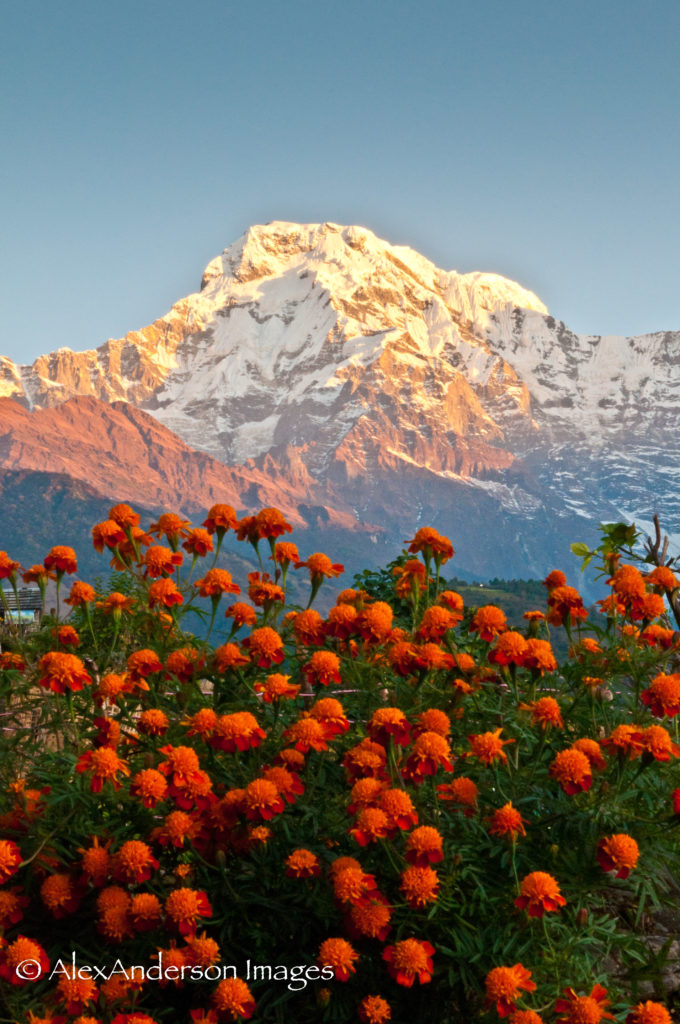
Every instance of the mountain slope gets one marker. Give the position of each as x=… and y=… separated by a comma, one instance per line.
x=338, y=370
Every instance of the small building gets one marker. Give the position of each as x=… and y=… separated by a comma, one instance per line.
x=28, y=611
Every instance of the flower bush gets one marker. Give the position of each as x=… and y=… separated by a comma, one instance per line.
x=395, y=810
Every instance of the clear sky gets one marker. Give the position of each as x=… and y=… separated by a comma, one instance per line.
x=141, y=137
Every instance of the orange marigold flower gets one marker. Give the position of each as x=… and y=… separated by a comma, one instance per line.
x=76, y=992
x=153, y=722
x=583, y=1009
x=323, y=668
x=229, y=656
x=431, y=656
x=150, y=786
x=170, y=526
x=453, y=601
x=507, y=821
x=233, y=999
x=662, y=577
x=618, y=853
x=432, y=544
x=525, y=1017
x=108, y=534
x=411, y=578
x=160, y=561
x=184, y=663
x=145, y=911
x=165, y=593
x=398, y=806
x=124, y=515
x=410, y=960
x=185, y=906
x=237, y=731
x=365, y=758
x=308, y=628
x=262, y=800
x=656, y=743
x=565, y=603
x=9, y=660
x=375, y=622
x=651, y=607
x=8, y=567
x=488, y=621
x=370, y=918
x=662, y=697
x=176, y=829
x=424, y=846
x=592, y=750
x=134, y=862
x=404, y=657
x=545, y=712
x=372, y=824
x=61, y=559
x=429, y=753
x=488, y=746
x=351, y=884
x=510, y=649
x=242, y=614
x=10, y=859
x=216, y=582
x=115, y=604
x=554, y=579
x=202, y=723
x=23, y=951
x=302, y=864
x=331, y=714
x=95, y=862
x=386, y=722
x=433, y=720
x=12, y=902
x=104, y=764
x=366, y=793
x=198, y=543
x=375, y=1010
x=504, y=985
x=539, y=893
x=276, y=687
x=342, y=621
x=534, y=616
x=419, y=886
x=461, y=791
x=284, y=553
x=436, y=622
x=60, y=672
x=626, y=740
x=649, y=1013
x=320, y=567
x=220, y=519
x=654, y=635
x=340, y=955
x=67, y=636
x=265, y=646
x=270, y=522
x=539, y=656
x=60, y=895
x=262, y=590
x=307, y=734
x=572, y=770
x=80, y=594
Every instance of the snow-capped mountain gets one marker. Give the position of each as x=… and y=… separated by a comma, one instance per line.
x=358, y=370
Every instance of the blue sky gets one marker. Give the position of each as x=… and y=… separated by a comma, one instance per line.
x=140, y=138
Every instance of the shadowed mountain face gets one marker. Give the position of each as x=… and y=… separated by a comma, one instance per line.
x=350, y=381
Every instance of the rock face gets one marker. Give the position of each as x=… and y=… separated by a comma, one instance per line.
x=340, y=371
